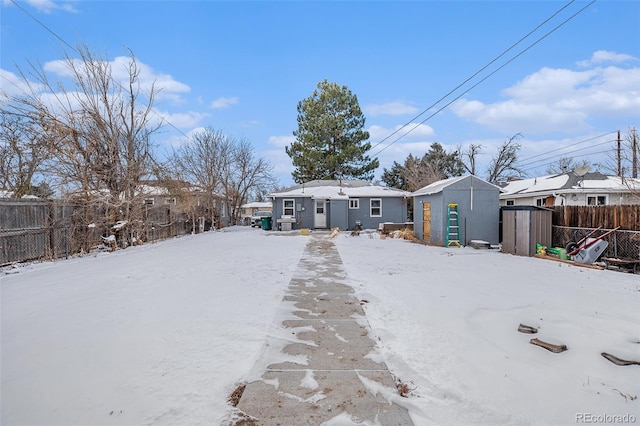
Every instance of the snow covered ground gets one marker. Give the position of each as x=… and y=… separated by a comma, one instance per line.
x=162, y=333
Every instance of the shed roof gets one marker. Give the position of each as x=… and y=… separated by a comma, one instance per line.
x=440, y=185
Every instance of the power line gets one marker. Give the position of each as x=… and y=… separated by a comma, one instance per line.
x=570, y=152
x=473, y=75
x=485, y=78
x=62, y=40
x=568, y=146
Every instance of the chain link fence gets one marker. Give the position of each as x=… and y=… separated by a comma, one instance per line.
x=622, y=244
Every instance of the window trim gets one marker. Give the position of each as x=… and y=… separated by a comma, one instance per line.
x=371, y=207
x=354, y=203
x=510, y=202
x=292, y=207
x=596, y=196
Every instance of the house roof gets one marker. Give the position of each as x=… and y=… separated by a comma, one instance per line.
x=258, y=205
x=570, y=182
x=336, y=189
x=440, y=185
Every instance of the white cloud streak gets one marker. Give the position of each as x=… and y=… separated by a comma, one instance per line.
x=223, y=103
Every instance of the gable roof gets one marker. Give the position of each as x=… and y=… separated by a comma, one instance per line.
x=440, y=185
x=336, y=189
x=570, y=182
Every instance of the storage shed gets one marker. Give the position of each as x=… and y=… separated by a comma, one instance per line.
x=525, y=226
x=477, y=211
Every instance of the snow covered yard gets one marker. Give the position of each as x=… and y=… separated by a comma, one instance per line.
x=162, y=333
x=155, y=334
x=447, y=319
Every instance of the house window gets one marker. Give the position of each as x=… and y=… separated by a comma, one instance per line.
x=149, y=201
x=540, y=202
x=375, y=207
x=223, y=209
x=288, y=207
x=354, y=203
x=596, y=200
x=170, y=201
x=511, y=202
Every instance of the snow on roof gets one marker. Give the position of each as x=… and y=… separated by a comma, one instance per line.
x=438, y=186
x=570, y=183
x=258, y=205
x=543, y=183
x=334, y=189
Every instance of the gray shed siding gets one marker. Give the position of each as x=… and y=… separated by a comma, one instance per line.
x=478, y=212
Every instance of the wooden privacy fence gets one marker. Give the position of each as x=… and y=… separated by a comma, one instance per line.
x=44, y=229
x=627, y=217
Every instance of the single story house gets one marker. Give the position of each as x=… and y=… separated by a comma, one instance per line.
x=576, y=188
x=249, y=209
x=324, y=204
x=458, y=209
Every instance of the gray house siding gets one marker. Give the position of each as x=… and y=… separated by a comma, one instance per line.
x=337, y=215
x=394, y=209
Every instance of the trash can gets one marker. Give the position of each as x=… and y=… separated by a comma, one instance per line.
x=266, y=223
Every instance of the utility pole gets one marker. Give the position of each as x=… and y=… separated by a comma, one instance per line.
x=619, y=155
x=634, y=153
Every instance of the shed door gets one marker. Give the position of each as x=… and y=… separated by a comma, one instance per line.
x=320, y=220
x=426, y=221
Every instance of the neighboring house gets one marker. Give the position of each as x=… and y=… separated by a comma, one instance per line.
x=575, y=188
x=323, y=204
x=184, y=198
x=477, y=206
x=249, y=209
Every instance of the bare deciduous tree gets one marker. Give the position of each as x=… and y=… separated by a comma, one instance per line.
x=247, y=174
x=100, y=129
x=471, y=157
x=565, y=165
x=201, y=161
x=23, y=151
x=503, y=164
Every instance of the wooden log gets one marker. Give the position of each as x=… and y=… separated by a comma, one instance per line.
x=522, y=328
x=556, y=349
x=618, y=361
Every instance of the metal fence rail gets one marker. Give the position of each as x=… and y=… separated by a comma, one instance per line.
x=622, y=244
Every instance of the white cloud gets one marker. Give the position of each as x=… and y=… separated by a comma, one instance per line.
x=165, y=86
x=12, y=84
x=390, y=108
x=222, y=103
x=604, y=56
x=46, y=6
x=182, y=120
x=558, y=100
x=281, y=141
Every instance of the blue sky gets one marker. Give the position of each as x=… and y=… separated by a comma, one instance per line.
x=241, y=67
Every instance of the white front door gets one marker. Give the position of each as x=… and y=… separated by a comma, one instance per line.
x=320, y=220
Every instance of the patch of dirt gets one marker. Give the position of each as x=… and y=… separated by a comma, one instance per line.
x=234, y=399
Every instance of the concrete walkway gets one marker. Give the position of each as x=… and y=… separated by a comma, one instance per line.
x=330, y=378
